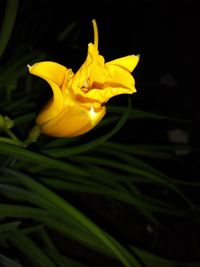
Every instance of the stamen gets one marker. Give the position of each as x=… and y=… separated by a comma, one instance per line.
x=96, y=38
x=86, y=84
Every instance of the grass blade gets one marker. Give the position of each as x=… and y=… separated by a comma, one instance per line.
x=8, y=24
x=53, y=252
x=152, y=177
x=4, y=227
x=7, y=210
x=117, y=249
x=32, y=251
x=7, y=262
x=151, y=260
x=34, y=157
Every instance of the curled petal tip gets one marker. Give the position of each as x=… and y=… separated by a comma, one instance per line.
x=136, y=55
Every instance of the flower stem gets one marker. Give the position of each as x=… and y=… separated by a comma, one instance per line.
x=11, y=134
x=33, y=135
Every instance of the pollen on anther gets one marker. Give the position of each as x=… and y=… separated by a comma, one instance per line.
x=86, y=84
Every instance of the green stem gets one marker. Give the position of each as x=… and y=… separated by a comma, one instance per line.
x=11, y=134
x=33, y=136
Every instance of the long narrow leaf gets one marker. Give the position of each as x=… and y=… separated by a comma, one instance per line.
x=7, y=262
x=131, y=169
x=4, y=227
x=121, y=252
x=52, y=251
x=151, y=151
x=32, y=251
x=8, y=24
x=123, y=196
x=151, y=260
x=34, y=157
x=19, y=211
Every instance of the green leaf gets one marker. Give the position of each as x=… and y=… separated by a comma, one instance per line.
x=20, y=194
x=117, y=249
x=142, y=203
x=7, y=262
x=32, y=251
x=17, y=68
x=24, y=118
x=4, y=227
x=8, y=24
x=53, y=252
x=127, y=168
x=141, y=114
x=9, y=141
x=135, y=113
x=7, y=210
x=151, y=260
x=64, y=34
x=152, y=151
x=34, y=157
x=111, y=149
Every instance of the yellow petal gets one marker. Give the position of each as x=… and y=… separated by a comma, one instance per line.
x=129, y=62
x=113, y=80
x=119, y=77
x=104, y=95
x=85, y=72
x=53, y=107
x=49, y=71
x=55, y=74
x=73, y=121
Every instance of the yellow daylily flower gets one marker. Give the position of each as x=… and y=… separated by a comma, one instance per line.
x=78, y=101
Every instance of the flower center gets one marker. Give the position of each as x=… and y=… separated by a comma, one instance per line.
x=85, y=87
